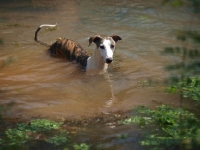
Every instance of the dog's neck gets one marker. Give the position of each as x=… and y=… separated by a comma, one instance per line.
x=96, y=62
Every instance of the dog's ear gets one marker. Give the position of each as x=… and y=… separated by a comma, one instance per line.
x=116, y=38
x=96, y=39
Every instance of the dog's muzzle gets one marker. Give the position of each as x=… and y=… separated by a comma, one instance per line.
x=109, y=60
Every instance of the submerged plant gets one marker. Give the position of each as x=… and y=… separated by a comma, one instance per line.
x=33, y=130
x=16, y=136
x=173, y=126
x=40, y=125
x=44, y=125
x=82, y=146
x=190, y=87
x=57, y=140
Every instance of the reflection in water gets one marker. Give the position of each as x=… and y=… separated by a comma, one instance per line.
x=41, y=85
x=90, y=92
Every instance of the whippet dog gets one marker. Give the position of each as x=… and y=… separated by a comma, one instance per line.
x=102, y=56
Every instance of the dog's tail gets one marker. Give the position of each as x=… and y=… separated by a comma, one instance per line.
x=38, y=29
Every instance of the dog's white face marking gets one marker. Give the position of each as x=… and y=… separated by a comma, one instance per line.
x=106, y=49
x=103, y=54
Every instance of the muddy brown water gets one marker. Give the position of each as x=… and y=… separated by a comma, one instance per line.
x=34, y=84
x=37, y=84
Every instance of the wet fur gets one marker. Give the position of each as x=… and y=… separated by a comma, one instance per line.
x=69, y=50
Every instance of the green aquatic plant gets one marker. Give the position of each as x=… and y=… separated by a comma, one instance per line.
x=16, y=136
x=32, y=130
x=57, y=140
x=44, y=125
x=186, y=72
x=136, y=119
x=190, y=88
x=82, y=146
x=38, y=130
x=171, y=126
x=40, y=125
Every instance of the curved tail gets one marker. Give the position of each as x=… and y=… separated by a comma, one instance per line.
x=38, y=29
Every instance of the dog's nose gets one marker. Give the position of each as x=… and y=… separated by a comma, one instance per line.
x=109, y=60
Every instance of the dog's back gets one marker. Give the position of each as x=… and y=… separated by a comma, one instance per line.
x=70, y=50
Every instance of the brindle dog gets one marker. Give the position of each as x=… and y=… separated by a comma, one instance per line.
x=71, y=50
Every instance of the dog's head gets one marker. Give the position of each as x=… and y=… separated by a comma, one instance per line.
x=106, y=46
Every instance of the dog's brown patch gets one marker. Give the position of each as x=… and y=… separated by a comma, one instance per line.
x=69, y=50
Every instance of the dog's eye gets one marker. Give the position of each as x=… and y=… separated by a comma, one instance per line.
x=102, y=47
x=112, y=46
